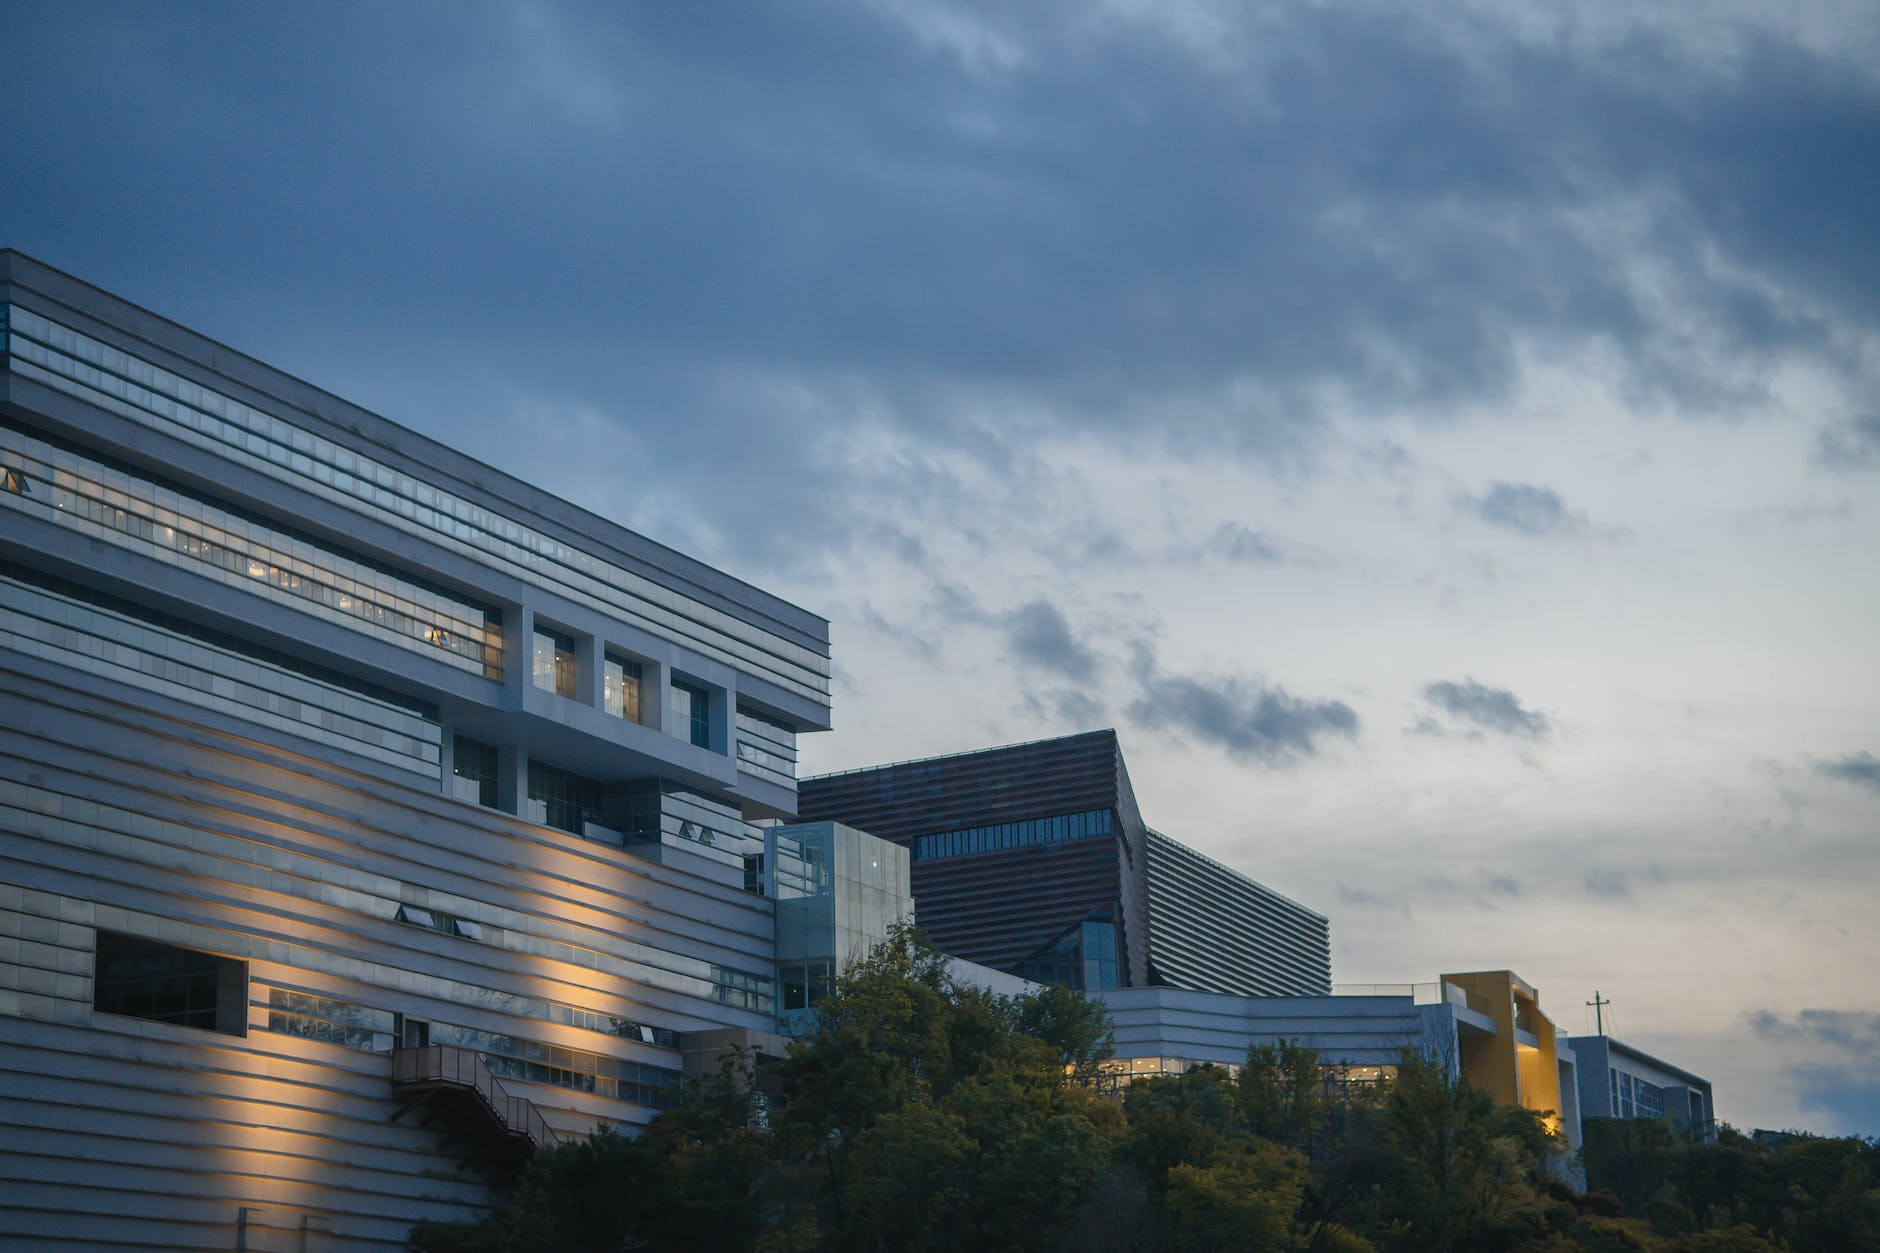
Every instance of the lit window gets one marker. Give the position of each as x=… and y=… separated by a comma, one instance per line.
x=554, y=663
x=622, y=697
x=163, y=983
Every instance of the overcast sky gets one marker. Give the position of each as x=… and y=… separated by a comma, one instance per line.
x=1444, y=441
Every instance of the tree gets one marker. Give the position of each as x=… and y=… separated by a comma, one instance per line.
x=1245, y=1198
x=1468, y=1173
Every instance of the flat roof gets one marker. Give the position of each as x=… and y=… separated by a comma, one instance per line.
x=421, y=456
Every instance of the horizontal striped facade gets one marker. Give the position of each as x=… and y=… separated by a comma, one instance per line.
x=1219, y=1029
x=152, y=825
x=271, y=797
x=1212, y=929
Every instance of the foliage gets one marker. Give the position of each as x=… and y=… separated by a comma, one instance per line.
x=928, y=1117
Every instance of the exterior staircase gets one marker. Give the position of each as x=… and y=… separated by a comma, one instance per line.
x=451, y=1090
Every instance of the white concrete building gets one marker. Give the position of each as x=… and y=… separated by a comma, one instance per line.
x=1619, y=1081
x=318, y=737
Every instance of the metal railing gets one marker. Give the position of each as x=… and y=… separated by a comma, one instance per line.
x=440, y=1065
x=1419, y=993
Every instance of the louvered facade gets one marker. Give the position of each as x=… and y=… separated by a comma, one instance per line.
x=1019, y=852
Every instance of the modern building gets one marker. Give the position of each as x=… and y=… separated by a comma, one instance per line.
x=1213, y=929
x=1034, y=859
x=1619, y=1081
x=1486, y=1027
x=358, y=801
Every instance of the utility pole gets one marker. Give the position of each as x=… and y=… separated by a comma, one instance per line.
x=1599, y=1018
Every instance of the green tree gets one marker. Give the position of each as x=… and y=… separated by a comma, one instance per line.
x=1246, y=1197
x=1077, y=1028
x=1468, y=1174
x=933, y=1118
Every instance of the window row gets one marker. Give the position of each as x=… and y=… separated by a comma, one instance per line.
x=62, y=358
x=1096, y=822
x=222, y=542
x=38, y=813
x=635, y=811
x=133, y=646
x=556, y=667
x=1632, y=1097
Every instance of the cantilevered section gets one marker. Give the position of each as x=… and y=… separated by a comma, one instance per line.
x=321, y=739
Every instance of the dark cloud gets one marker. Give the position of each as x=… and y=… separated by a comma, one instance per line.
x=1039, y=636
x=1482, y=707
x=1524, y=508
x=1860, y=769
x=1238, y=543
x=1503, y=885
x=1853, y=444
x=1838, y=1052
x=1249, y=718
x=1852, y=1033
x=674, y=237
x=1849, y=1096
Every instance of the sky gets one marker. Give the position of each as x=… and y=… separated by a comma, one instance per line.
x=1443, y=441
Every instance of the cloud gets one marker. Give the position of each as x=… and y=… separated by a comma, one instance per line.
x=1238, y=543
x=1482, y=707
x=1837, y=1052
x=1358, y=896
x=1860, y=769
x=1249, y=718
x=1609, y=883
x=745, y=273
x=1853, y=444
x=1524, y=509
x=1039, y=636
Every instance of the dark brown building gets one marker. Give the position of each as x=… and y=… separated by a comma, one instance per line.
x=1034, y=859
x=1030, y=858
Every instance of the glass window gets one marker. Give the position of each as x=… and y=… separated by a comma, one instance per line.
x=692, y=713
x=554, y=663
x=560, y=798
x=163, y=983
x=473, y=765
x=622, y=695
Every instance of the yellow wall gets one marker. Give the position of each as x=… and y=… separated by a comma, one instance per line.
x=1511, y=1072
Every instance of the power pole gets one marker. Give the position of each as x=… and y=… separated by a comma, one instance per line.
x=1599, y=1018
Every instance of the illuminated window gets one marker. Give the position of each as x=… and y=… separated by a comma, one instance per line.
x=163, y=983
x=554, y=663
x=622, y=695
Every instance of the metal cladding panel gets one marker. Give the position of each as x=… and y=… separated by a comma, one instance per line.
x=1212, y=929
x=997, y=908
x=914, y=798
